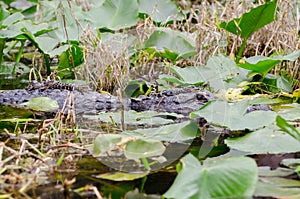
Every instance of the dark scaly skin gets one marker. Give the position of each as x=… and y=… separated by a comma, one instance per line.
x=176, y=100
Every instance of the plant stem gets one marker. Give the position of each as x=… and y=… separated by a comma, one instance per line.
x=47, y=61
x=146, y=163
x=2, y=45
x=241, y=50
x=19, y=55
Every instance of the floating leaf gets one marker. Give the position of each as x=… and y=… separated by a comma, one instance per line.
x=233, y=177
x=289, y=111
x=234, y=116
x=121, y=176
x=275, y=183
x=160, y=10
x=180, y=133
x=264, y=189
x=266, y=140
x=138, y=148
x=132, y=117
x=291, y=162
x=279, y=172
x=41, y=104
x=106, y=142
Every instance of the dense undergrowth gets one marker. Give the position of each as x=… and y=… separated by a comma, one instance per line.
x=245, y=52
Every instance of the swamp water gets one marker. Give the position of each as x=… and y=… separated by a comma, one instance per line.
x=88, y=170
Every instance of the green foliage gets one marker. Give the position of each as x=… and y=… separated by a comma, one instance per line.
x=170, y=44
x=70, y=59
x=250, y=22
x=41, y=104
x=132, y=117
x=234, y=116
x=220, y=72
x=233, y=177
x=160, y=11
x=114, y=14
x=139, y=148
x=262, y=64
x=121, y=176
x=286, y=127
x=183, y=132
x=274, y=183
x=269, y=140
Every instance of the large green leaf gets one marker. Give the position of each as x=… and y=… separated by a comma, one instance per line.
x=3, y=15
x=114, y=14
x=275, y=183
x=234, y=116
x=106, y=142
x=131, y=117
x=179, y=133
x=140, y=148
x=266, y=140
x=263, y=65
x=251, y=21
x=160, y=10
x=220, y=73
x=168, y=43
x=276, y=84
x=289, y=111
x=233, y=177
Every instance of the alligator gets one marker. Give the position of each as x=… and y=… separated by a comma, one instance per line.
x=176, y=100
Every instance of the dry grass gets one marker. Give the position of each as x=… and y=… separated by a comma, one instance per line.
x=106, y=67
x=278, y=38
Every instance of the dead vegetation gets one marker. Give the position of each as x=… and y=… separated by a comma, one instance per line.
x=25, y=165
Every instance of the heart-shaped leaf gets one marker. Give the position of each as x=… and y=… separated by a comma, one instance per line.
x=251, y=21
x=234, y=116
x=266, y=140
x=233, y=177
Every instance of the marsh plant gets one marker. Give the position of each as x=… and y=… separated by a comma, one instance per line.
x=244, y=52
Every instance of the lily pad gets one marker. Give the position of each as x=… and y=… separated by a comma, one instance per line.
x=289, y=111
x=291, y=162
x=45, y=104
x=180, y=133
x=233, y=177
x=264, y=189
x=267, y=140
x=106, y=142
x=121, y=176
x=136, y=149
x=132, y=117
x=279, y=172
x=234, y=116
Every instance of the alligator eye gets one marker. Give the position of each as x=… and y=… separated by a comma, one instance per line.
x=169, y=93
x=201, y=97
